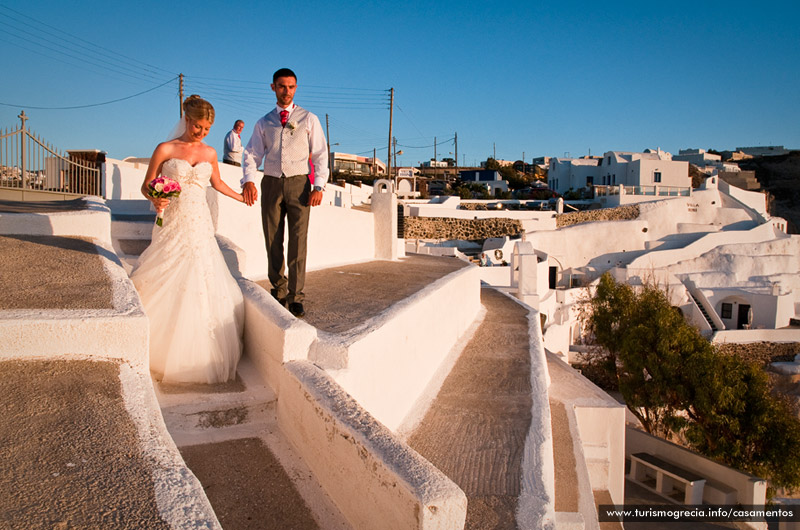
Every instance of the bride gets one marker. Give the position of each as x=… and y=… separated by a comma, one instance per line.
x=194, y=305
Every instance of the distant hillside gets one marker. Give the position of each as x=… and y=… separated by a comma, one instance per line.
x=780, y=177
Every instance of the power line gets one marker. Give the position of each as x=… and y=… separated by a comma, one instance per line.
x=92, y=104
x=91, y=48
x=443, y=142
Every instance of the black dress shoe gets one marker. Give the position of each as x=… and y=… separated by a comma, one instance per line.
x=296, y=308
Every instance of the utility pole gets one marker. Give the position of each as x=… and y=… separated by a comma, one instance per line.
x=494, y=151
x=328, y=137
x=389, y=149
x=374, y=161
x=394, y=154
x=180, y=93
x=456, y=142
x=434, y=158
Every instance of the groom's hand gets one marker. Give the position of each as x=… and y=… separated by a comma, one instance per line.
x=315, y=199
x=250, y=193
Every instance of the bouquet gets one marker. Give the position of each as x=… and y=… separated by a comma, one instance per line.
x=163, y=188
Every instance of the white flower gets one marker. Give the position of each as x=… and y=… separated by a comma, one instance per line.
x=159, y=186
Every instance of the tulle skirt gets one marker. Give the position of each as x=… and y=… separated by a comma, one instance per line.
x=194, y=305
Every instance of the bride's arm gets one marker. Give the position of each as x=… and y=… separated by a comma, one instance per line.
x=153, y=170
x=218, y=184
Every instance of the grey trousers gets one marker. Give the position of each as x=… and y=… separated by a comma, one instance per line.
x=281, y=199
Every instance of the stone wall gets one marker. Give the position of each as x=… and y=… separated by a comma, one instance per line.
x=465, y=229
x=620, y=213
x=762, y=353
x=473, y=229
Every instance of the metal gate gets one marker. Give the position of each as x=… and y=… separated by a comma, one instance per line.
x=28, y=163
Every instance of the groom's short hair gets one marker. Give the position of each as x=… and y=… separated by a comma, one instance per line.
x=283, y=72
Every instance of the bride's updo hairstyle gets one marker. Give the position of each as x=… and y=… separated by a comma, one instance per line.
x=196, y=108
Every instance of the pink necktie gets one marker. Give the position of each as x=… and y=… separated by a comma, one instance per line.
x=284, y=117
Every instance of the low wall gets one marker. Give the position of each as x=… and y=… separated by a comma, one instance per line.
x=536, y=503
x=119, y=333
x=180, y=498
x=468, y=229
x=596, y=425
x=19, y=194
x=272, y=336
x=620, y=213
x=375, y=479
x=749, y=488
x=336, y=234
x=761, y=353
x=387, y=362
x=94, y=221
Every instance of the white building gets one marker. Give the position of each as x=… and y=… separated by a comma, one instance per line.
x=435, y=163
x=566, y=174
x=636, y=176
x=698, y=157
x=650, y=168
x=489, y=178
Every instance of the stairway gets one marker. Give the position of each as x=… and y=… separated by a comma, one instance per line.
x=130, y=235
x=229, y=437
x=702, y=308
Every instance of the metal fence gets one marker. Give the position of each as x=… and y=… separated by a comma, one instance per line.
x=27, y=162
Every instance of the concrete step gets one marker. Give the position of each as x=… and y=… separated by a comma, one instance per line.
x=132, y=247
x=229, y=437
x=212, y=413
x=142, y=228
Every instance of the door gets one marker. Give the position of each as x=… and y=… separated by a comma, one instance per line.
x=744, y=317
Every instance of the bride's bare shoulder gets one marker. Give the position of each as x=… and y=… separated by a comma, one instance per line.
x=209, y=153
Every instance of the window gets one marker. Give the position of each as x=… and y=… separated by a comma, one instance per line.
x=657, y=176
x=727, y=310
x=589, y=181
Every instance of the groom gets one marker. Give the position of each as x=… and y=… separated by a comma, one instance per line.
x=285, y=139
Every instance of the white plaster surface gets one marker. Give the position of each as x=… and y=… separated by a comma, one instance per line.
x=272, y=336
x=180, y=497
x=120, y=332
x=387, y=362
x=536, y=503
x=93, y=222
x=749, y=488
x=361, y=463
x=384, y=211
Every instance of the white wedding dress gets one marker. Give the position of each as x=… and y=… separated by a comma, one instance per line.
x=194, y=305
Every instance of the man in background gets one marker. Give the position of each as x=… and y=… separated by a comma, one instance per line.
x=232, y=150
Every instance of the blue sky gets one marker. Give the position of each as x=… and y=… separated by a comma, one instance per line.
x=543, y=79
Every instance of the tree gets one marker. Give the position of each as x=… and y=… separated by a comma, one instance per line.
x=677, y=384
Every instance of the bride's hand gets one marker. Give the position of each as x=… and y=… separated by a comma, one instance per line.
x=159, y=202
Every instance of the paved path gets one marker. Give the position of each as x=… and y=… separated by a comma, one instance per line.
x=70, y=453
x=340, y=298
x=52, y=272
x=475, y=430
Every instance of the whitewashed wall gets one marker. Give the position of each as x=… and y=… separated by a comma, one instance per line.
x=336, y=235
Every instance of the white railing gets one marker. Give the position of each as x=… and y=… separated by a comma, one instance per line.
x=649, y=190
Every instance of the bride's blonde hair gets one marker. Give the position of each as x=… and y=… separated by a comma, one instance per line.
x=197, y=108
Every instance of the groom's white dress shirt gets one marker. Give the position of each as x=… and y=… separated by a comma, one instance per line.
x=272, y=140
